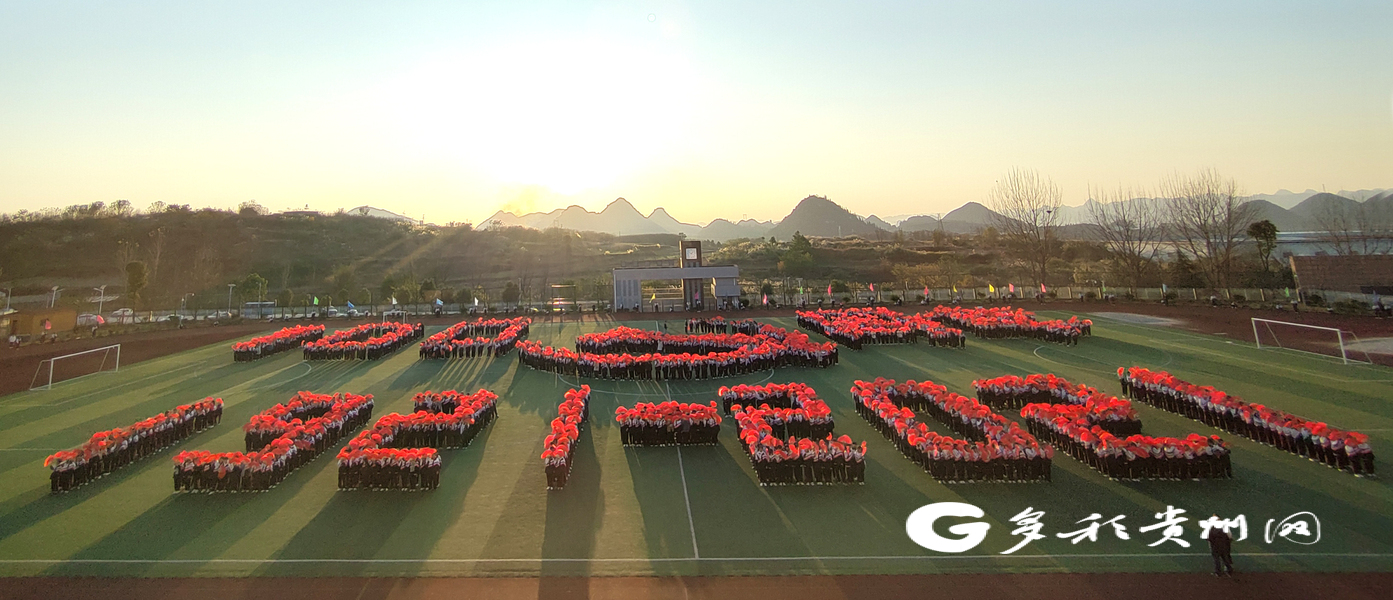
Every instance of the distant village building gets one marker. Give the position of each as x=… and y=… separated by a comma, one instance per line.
x=1359, y=273
x=378, y=213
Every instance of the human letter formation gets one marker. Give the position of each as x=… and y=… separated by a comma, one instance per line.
x=288, y=338
x=856, y=327
x=788, y=409
x=999, y=450
x=721, y=325
x=1113, y=414
x=295, y=433
x=1348, y=451
x=399, y=452
x=109, y=450
x=703, y=356
x=559, y=447
x=484, y=337
x=782, y=458
x=1079, y=431
x=669, y=423
x=369, y=341
x=1003, y=322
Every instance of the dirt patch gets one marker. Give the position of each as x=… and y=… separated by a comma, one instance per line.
x=1071, y=586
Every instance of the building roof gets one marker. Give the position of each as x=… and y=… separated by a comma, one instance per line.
x=378, y=213
x=1345, y=273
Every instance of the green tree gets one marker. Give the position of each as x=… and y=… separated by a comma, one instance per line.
x=137, y=277
x=1265, y=234
x=253, y=287
x=286, y=298
x=839, y=287
x=511, y=293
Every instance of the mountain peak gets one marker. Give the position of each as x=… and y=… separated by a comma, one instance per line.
x=620, y=204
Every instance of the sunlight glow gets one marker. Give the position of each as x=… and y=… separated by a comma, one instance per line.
x=566, y=114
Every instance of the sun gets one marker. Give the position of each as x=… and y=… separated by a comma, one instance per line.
x=566, y=114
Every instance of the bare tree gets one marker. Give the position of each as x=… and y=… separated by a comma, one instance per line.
x=1361, y=228
x=1027, y=217
x=156, y=251
x=1209, y=217
x=1132, y=227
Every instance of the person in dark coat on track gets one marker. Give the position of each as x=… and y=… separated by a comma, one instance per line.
x=1220, y=544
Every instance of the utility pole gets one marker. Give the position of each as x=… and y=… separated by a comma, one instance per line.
x=101, y=298
x=229, y=298
x=54, y=300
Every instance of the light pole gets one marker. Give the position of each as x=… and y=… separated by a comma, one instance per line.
x=8, y=291
x=229, y=299
x=54, y=300
x=101, y=298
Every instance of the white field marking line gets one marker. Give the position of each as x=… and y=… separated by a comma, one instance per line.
x=598, y=391
x=5, y=404
x=32, y=449
x=1206, y=338
x=269, y=386
x=690, y=523
x=51, y=561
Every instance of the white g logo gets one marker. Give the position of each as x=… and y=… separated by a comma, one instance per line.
x=920, y=527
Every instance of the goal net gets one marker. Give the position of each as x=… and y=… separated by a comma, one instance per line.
x=1314, y=339
x=77, y=364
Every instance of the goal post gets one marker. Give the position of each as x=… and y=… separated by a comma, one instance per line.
x=1306, y=338
x=109, y=359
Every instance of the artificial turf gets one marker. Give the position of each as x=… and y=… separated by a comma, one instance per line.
x=665, y=511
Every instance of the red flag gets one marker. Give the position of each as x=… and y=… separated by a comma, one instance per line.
x=872, y=287
x=926, y=291
x=766, y=299
x=1042, y=289
x=1013, y=287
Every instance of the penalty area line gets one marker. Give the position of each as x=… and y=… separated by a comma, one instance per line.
x=681, y=470
x=52, y=561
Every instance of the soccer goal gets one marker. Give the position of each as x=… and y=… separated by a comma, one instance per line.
x=77, y=364
x=1313, y=339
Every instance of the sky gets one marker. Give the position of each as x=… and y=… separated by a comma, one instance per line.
x=713, y=109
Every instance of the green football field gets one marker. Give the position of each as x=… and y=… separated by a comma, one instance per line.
x=665, y=511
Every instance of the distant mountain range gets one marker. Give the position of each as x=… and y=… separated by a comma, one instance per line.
x=820, y=217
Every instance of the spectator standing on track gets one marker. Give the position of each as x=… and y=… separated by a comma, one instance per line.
x=1220, y=545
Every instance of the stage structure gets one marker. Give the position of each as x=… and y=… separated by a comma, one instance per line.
x=628, y=282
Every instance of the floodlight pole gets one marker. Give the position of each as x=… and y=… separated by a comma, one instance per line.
x=229, y=298
x=101, y=298
x=54, y=300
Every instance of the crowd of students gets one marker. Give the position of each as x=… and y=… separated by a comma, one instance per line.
x=1003, y=322
x=1113, y=414
x=786, y=409
x=400, y=452
x=1134, y=457
x=288, y=338
x=298, y=431
x=797, y=460
x=997, y=449
x=721, y=325
x=369, y=341
x=717, y=355
x=669, y=423
x=484, y=337
x=1342, y=449
x=559, y=447
x=857, y=327
x=109, y=450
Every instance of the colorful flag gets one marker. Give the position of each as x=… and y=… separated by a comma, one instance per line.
x=829, y=289
x=438, y=302
x=394, y=300
x=926, y=291
x=349, y=303
x=476, y=301
x=1013, y=287
x=316, y=300
x=766, y=299
x=1042, y=289
x=955, y=289
x=1163, y=288
x=1288, y=290
x=655, y=296
x=991, y=288
x=872, y=287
